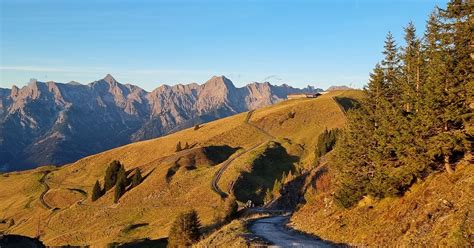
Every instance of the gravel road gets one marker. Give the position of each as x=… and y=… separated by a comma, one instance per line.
x=274, y=230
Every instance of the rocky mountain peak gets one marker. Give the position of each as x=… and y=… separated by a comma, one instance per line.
x=219, y=82
x=110, y=79
x=65, y=119
x=14, y=91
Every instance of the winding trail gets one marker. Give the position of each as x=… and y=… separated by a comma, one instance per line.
x=275, y=230
x=46, y=189
x=226, y=164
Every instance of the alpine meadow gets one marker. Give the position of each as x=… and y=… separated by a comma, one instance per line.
x=381, y=160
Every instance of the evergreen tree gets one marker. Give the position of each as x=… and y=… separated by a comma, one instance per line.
x=121, y=184
x=415, y=115
x=446, y=90
x=326, y=142
x=178, y=147
x=457, y=41
x=137, y=178
x=111, y=174
x=96, y=191
x=186, y=146
x=391, y=66
x=185, y=230
x=268, y=196
x=411, y=69
x=353, y=168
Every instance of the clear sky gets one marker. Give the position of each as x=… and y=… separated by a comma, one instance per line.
x=149, y=43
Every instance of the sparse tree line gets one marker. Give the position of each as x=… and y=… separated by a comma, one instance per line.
x=326, y=142
x=116, y=177
x=274, y=192
x=415, y=118
x=186, y=146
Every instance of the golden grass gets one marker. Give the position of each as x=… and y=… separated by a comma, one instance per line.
x=435, y=212
x=75, y=220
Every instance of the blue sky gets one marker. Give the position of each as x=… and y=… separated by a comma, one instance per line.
x=149, y=43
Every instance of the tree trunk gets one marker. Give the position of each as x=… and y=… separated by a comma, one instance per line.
x=447, y=165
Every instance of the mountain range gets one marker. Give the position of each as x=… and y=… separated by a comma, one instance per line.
x=50, y=123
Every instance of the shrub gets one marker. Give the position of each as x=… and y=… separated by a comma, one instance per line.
x=291, y=115
x=185, y=230
x=196, y=127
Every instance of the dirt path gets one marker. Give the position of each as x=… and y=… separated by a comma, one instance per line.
x=225, y=165
x=46, y=189
x=274, y=230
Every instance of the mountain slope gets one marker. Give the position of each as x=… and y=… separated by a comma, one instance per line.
x=174, y=181
x=434, y=212
x=55, y=123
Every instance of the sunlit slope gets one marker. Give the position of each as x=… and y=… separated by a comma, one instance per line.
x=67, y=215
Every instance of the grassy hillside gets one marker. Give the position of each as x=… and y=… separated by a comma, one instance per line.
x=67, y=216
x=435, y=212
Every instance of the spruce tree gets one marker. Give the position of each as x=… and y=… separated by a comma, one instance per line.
x=446, y=94
x=326, y=142
x=268, y=196
x=353, y=168
x=137, y=178
x=391, y=66
x=178, y=147
x=96, y=191
x=415, y=115
x=121, y=184
x=185, y=230
x=411, y=69
x=110, y=178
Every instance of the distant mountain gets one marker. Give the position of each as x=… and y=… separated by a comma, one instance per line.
x=338, y=87
x=55, y=123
